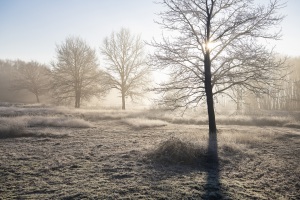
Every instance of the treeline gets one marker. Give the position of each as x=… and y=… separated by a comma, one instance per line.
x=75, y=75
x=22, y=81
x=288, y=97
x=285, y=96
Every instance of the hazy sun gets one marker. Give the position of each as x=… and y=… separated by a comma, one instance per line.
x=210, y=45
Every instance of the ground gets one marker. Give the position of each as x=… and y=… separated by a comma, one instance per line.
x=111, y=161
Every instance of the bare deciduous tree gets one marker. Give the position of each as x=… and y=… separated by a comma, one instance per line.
x=32, y=76
x=215, y=46
x=126, y=63
x=76, y=75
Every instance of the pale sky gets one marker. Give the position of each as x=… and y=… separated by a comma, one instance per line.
x=30, y=29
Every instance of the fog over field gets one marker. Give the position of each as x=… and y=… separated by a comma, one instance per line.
x=138, y=99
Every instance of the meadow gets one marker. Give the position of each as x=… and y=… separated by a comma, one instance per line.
x=58, y=153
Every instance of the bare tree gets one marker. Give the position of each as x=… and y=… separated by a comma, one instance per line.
x=75, y=74
x=32, y=76
x=215, y=46
x=126, y=63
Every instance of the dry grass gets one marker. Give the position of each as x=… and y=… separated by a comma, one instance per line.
x=32, y=111
x=12, y=127
x=235, y=143
x=20, y=126
x=177, y=151
x=253, y=120
x=10, y=110
x=292, y=125
x=48, y=132
x=144, y=123
x=243, y=120
x=109, y=162
x=17, y=120
x=43, y=121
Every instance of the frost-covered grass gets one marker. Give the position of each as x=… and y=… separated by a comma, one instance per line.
x=191, y=147
x=12, y=127
x=195, y=119
x=144, y=123
x=43, y=121
x=19, y=127
x=17, y=120
x=292, y=125
x=95, y=115
x=13, y=111
x=178, y=151
x=242, y=120
x=254, y=120
x=20, y=117
x=112, y=161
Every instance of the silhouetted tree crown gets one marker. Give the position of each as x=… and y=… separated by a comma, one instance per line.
x=215, y=46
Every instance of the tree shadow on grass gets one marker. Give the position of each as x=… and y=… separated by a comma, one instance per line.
x=213, y=187
x=206, y=163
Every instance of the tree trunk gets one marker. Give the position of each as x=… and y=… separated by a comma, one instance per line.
x=209, y=95
x=123, y=101
x=77, y=99
x=78, y=102
x=37, y=98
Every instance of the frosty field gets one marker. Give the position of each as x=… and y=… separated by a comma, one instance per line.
x=114, y=155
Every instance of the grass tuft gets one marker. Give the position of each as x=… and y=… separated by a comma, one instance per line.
x=12, y=127
x=292, y=125
x=177, y=151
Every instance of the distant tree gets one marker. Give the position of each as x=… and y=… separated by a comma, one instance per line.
x=289, y=97
x=31, y=76
x=216, y=46
x=126, y=64
x=6, y=68
x=75, y=74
